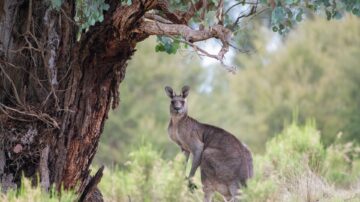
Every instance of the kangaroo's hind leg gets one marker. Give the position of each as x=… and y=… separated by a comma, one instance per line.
x=208, y=192
x=234, y=193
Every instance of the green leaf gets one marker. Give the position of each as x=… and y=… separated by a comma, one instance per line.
x=289, y=12
x=101, y=18
x=159, y=48
x=92, y=21
x=356, y=11
x=326, y=3
x=56, y=4
x=278, y=15
x=210, y=18
x=214, y=2
x=328, y=15
x=311, y=7
x=289, y=23
x=336, y=15
x=106, y=7
x=281, y=27
x=299, y=15
x=167, y=45
x=291, y=2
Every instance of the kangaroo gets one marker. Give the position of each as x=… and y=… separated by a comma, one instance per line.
x=225, y=163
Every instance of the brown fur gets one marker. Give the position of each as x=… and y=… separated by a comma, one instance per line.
x=225, y=162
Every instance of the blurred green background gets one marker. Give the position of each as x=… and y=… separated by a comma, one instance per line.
x=295, y=102
x=312, y=73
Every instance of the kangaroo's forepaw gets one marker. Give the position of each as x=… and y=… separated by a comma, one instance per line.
x=191, y=185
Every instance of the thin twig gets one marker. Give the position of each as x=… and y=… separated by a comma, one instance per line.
x=188, y=40
x=231, y=69
x=242, y=3
x=29, y=18
x=158, y=18
x=43, y=117
x=11, y=117
x=252, y=11
x=13, y=86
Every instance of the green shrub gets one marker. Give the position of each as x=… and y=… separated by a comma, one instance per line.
x=147, y=177
x=28, y=193
x=342, y=163
x=297, y=167
x=295, y=149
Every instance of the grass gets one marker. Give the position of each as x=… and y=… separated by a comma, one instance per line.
x=295, y=167
x=27, y=193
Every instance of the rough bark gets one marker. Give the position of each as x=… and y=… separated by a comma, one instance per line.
x=55, y=91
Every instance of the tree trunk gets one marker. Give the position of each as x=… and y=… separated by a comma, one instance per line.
x=55, y=92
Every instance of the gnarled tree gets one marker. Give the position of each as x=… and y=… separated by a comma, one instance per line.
x=56, y=88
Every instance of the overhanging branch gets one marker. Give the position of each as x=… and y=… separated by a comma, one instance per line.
x=144, y=18
x=189, y=34
x=152, y=27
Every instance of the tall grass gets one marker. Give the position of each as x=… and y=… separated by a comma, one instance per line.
x=295, y=167
x=147, y=177
x=28, y=193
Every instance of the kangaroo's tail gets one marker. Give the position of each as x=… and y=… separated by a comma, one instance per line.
x=249, y=160
x=247, y=170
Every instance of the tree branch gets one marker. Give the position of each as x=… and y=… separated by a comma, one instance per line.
x=240, y=3
x=158, y=18
x=179, y=17
x=190, y=35
x=153, y=17
x=252, y=11
x=203, y=52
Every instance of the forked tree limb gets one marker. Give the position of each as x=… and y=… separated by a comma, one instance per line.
x=144, y=18
x=191, y=35
x=91, y=185
x=154, y=17
x=152, y=27
x=44, y=168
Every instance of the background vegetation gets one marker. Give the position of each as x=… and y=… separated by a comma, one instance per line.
x=313, y=75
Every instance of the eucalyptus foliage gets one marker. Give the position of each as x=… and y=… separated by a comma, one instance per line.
x=284, y=14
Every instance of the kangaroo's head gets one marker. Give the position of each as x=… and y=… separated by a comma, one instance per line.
x=178, y=105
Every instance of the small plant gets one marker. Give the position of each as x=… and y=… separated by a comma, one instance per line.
x=297, y=167
x=27, y=193
x=147, y=177
x=344, y=161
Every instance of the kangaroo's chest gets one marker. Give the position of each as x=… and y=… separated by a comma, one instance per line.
x=174, y=134
x=177, y=135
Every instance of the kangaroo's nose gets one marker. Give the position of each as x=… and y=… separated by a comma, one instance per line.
x=177, y=107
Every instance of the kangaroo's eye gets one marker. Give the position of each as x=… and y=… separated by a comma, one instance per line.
x=182, y=102
x=172, y=102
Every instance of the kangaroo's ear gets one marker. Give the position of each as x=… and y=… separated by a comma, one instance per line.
x=169, y=91
x=185, y=91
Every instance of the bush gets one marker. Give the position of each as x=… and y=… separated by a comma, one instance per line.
x=294, y=164
x=295, y=167
x=343, y=159
x=28, y=193
x=147, y=177
x=295, y=149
